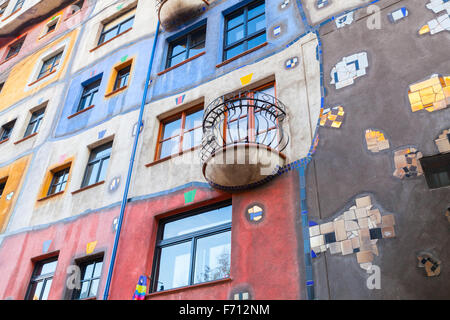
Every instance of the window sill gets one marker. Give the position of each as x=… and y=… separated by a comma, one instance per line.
x=242, y=54
x=12, y=13
x=151, y=164
x=10, y=58
x=89, y=187
x=26, y=138
x=106, y=42
x=115, y=92
x=187, y=288
x=80, y=112
x=181, y=63
x=51, y=196
x=47, y=75
x=4, y=141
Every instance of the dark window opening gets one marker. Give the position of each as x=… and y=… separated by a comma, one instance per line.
x=41, y=280
x=35, y=122
x=186, y=47
x=7, y=130
x=97, y=165
x=14, y=49
x=90, y=279
x=244, y=29
x=122, y=78
x=50, y=65
x=2, y=186
x=193, y=248
x=89, y=93
x=114, y=31
x=437, y=170
x=59, y=181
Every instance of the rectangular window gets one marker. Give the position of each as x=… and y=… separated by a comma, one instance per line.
x=51, y=26
x=97, y=165
x=116, y=27
x=89, y=93
x=180, y=132
x=186, y=47
x=59, y=181
x=244, y=29
x=122, y=78
x=7, y=130
x=35, y=122
x=41, y=280
x=2, y=186
x=90, y=279
x=19, y=5
x=50, y=65
x=193, y=248
x=3, y=8
x=14, y=48
x=437, y=170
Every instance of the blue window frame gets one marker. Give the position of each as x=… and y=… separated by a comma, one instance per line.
x=7, y=130
x=114, y=31
x=245, y=29
x=19, y=5
x=186, y=47
x=89, y=92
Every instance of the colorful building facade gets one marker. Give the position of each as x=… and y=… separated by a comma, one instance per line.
x=187, y=150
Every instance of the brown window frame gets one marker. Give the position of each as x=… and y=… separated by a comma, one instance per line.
x=180, y=115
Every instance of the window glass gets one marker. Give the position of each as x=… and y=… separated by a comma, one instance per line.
x=98, y=165
x=174, y=266
x=186, y=47
x=197, y=222
x=212, y=257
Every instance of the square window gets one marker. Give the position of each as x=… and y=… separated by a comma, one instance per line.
x=116, y=27
x=437, y=170
x=14, y=48
x=59, y=181
x=180, y=132
x=193, y=248
x=90, y=279
x=35, y=122
x=41, y=280
x=7, y=130
x=122, y=78
x=89, y=93
x=97, y=165
x=50, y=65
x=2, y=186
x=186, y=46
x=244, y=29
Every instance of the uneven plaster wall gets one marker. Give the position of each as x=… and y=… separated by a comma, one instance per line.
x=335, y=7
x=25, y=72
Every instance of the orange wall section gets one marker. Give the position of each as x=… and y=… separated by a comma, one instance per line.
x=15, y=173
x=17, y=86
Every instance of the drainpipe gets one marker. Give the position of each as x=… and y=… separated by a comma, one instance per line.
x=130, y=169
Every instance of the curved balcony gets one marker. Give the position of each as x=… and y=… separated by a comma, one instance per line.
x=173, y=13
x=243, y=139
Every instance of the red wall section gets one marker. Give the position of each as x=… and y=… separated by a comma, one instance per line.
x=264, y=255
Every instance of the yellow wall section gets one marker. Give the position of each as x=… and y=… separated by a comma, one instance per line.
x=16, y=86
x=15, y=173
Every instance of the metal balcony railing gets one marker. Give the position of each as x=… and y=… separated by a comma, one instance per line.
x=250, y=117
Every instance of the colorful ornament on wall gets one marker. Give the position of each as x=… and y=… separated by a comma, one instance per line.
x=255, y=213
x=90, y=247
x=189, y=196
x=141, y=289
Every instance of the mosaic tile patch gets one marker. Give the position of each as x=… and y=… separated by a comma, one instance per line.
x=284, y=4
x=430, y=263
x=255, y=213
x=398, y=14
x=432, y=94
x=180, y=99
x=348, y=69
x=90, y=247
x=407, y=163
x=376, y=141
x=344, y=19
x=246, y=79
x=46, y=246
x=322, y=3
x=355, y=232
x=443, y=141
x=277, y=31
x=141, y=289
x=291, y=63
x=241, y=296
x=189, y=196
x=442, y=22
x=332, y=117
